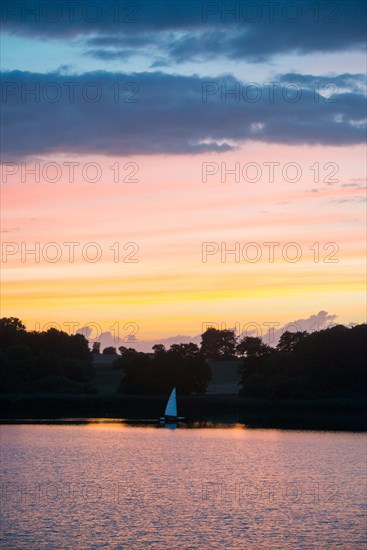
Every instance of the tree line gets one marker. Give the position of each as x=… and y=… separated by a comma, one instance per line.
x=50, y=361
x=182, y=365
x=326, y=363
x=54, y=361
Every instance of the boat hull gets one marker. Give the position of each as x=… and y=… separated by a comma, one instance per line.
x=171, y=419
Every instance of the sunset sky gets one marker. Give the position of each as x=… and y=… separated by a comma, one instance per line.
x=148, y=133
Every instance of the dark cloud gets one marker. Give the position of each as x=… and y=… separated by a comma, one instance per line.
x=137, y=40
x=117, y=114
x=110, y=55
x=196, y=29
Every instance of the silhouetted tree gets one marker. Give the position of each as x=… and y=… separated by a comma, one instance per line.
x=126, y=351
x=158, y=349
x=96, y=347
x=218, y=344
x=11, y=331
x=127, y=356
x=110, y=350
x=29, y=357
x=251, y=346
x=327, y=363
x=289, y=340
x=183, y=366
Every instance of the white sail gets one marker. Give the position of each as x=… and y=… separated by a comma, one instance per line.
x=171, y=409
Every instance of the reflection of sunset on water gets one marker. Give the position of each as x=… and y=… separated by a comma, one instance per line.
x=230, y=487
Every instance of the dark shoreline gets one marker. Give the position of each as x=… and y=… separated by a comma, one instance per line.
x=339, y=414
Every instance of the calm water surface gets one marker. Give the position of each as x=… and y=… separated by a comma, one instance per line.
x=115, y=486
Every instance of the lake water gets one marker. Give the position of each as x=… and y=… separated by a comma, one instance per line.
x=116, y=486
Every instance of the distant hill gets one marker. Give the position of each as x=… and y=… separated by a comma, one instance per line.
x=144, y=346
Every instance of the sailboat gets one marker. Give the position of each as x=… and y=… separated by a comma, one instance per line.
x=170, y=413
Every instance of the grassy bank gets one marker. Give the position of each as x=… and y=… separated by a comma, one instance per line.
x=326, y=414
